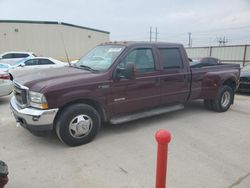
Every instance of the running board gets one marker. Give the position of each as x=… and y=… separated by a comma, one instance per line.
x=153, y=112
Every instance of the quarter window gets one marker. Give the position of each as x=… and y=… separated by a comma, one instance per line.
x=171, y=58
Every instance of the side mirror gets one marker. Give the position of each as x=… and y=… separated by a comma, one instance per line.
x=21, y=65
x=128, y=72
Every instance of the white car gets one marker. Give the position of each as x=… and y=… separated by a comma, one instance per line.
x=5, y=84
x=29, y=65
x=13, y=57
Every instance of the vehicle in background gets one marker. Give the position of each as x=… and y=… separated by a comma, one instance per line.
x=13, y=57
x=29, y=65
x=203, y=61
x=117, y=83
x=6, y=84
x=245, y=79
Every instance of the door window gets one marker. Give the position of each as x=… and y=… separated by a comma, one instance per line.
x=31, y=62
x=45, y=62
x=171, y=58
x=213, y=61
x=142, y=58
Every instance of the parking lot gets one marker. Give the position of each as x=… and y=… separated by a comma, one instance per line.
x=208, y=149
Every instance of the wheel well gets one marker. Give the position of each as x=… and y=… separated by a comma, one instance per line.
x=230, y=83
x=90, y=102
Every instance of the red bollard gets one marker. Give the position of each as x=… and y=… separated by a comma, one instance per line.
x=163, y=137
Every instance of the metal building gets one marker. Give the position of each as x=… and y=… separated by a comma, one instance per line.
x=46, y=38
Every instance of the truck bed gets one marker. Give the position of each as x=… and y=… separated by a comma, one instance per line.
x=205, y=80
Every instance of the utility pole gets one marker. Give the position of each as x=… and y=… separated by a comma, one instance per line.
x=156, y=34
x=150, y=34
x=189, y=39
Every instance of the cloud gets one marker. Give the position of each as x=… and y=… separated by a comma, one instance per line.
x=131, y=19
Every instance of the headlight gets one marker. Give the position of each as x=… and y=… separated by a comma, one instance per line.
x=37, y=100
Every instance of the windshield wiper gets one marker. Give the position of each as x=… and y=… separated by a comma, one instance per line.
x=88, y=68
x=85, y=67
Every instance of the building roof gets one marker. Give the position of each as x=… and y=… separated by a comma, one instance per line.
x=52, y=22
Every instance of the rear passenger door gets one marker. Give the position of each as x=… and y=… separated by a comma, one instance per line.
x=174, y=78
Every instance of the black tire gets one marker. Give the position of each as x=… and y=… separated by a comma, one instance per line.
x=224, y=99
x=70, y=116
x=208, y=104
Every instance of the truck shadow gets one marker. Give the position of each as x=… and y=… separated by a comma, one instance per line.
x=5, y=100
x=109, y=130
x=196, y=107
x=243, y=93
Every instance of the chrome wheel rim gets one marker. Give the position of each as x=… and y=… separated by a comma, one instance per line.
x=80, y=126
x=225, y=99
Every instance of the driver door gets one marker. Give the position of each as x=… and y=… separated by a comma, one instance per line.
x=142, y=93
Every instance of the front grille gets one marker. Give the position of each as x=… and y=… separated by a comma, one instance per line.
x=21, y=94
x=245, y=79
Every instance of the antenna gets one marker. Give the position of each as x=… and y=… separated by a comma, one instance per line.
x=156, y=34
x=150, y=34
x=66, y=53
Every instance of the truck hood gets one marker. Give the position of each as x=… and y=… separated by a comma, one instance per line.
x=40, y=79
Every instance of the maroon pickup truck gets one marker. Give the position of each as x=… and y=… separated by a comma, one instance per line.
x=118, y=82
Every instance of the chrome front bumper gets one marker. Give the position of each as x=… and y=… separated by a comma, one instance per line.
x=33, y=119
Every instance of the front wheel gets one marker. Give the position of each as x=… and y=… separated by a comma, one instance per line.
x=224, y=99
x=78, y=124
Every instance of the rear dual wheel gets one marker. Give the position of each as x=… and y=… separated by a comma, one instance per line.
x=223, y=100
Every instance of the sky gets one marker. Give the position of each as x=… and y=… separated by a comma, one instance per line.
x=207, y=21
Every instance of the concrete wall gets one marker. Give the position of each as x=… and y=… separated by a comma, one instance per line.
x=47, y=39
x=230, y=54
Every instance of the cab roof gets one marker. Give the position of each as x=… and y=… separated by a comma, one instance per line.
x=142, y=43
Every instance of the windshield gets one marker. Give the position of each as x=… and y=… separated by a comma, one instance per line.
x=20, y=62
x=246, y=68
x=100, y=58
